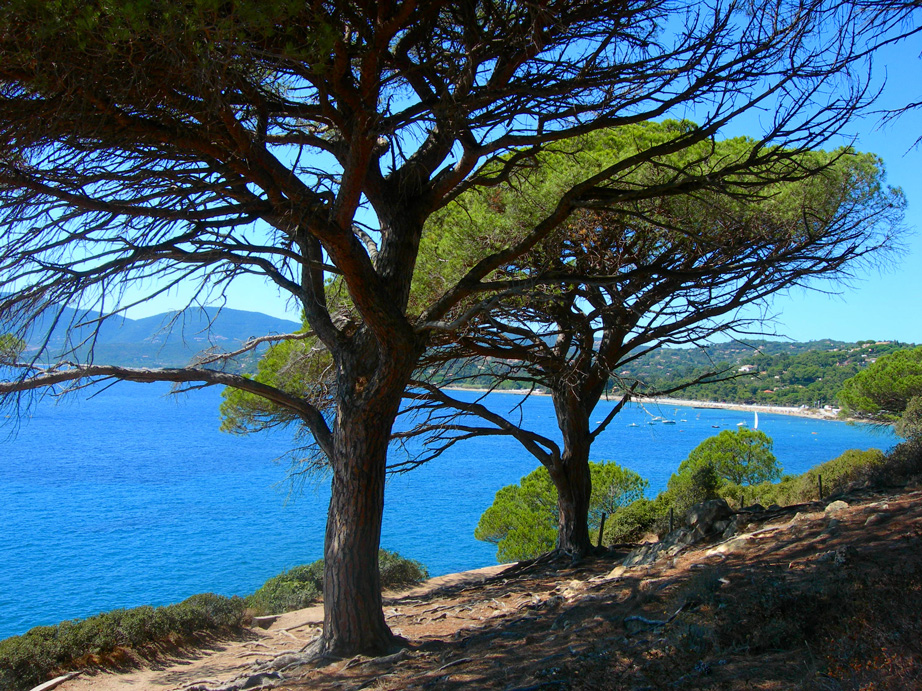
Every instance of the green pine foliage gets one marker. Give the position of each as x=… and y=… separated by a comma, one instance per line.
x=890, y=390
x=743, y=457
x=10, y=348
x=522, y=521
x=634, y=521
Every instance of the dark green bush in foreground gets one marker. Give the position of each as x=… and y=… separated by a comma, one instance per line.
x=303, y=585
x=30, y=659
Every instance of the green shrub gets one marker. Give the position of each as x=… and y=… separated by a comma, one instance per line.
x=632, y=522
x=42, y=652
x=850, y=469
x=689, y=487
x=902, y=464
x=399, y=572
x=290, y=590
x=302, y=586
x=853, y=467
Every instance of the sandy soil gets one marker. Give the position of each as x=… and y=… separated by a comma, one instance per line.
x=595, y=624
x=814, y=413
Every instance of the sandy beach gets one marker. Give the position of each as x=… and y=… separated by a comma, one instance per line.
x=814, y=413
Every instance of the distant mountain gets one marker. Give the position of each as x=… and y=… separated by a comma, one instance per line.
x=165, y=340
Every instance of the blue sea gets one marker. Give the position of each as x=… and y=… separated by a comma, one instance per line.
x=131, y=497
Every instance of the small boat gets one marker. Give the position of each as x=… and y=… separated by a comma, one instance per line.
x=716, y=426
x=633, y=424
x=668, y=422
x=755, y=423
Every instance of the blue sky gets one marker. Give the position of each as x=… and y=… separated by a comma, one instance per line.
x=887, y=304
x=883, y=305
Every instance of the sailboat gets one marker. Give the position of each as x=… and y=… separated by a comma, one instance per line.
x=755, y=424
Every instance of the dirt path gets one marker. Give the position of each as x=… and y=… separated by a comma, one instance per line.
x=221, y=660
x=766, y=609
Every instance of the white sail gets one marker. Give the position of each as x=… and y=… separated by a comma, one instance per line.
x=755, y=425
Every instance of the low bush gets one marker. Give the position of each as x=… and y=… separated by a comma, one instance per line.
x=44, y=651
x=631, y=523
x=303, y=585
x=290, y=590
x=903, y=464
x=853, y=468
x=399, y=572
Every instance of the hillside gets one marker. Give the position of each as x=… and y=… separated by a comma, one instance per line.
x=164, y=340
x=817, y=596
x=780, y=373
x=764, y=372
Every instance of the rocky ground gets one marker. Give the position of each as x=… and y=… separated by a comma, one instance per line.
x=818, y=596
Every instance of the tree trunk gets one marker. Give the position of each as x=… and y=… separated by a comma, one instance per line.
x=574, y=490
x=353, y=619
x=571, y=476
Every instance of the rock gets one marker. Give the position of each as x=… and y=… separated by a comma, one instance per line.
x=733, y=527
x=707, y=519
x=266, y=622
x=703, y=516
x=616, y=572
x=835, y=507
x=754, y=508
x=737, y=544
x=643, y=555
x=876, y=518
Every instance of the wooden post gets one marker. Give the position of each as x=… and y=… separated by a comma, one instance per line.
x=819, y=479
x=601, y=529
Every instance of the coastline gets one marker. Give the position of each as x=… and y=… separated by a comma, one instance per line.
x=813, y=413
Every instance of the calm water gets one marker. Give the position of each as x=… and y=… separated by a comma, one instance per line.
x=132, y=498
